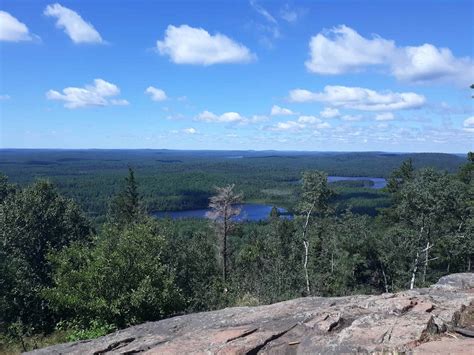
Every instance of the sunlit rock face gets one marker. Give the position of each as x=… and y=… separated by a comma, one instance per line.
x=438, y=319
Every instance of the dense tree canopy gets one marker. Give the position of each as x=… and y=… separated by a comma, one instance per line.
x=58, y=272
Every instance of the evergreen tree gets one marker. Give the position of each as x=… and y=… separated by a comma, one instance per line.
x=125, y=208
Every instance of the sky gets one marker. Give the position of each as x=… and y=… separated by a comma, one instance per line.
x=284, y=75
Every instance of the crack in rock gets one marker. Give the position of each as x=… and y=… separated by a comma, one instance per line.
x=255, y=350
x=115, y=345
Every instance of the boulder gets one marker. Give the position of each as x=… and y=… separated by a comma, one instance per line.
x=423, y=321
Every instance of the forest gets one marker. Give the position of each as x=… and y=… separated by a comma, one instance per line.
x=80, y=255
x=181, y=180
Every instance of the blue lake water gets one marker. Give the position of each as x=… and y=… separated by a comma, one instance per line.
x=258, y=212
x=378, y=183
x=249, y=212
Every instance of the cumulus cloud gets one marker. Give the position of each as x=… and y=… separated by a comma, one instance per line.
x=73, y=24
x=281, y=111
x=156, y=94
x=98, y=94
x=360, y=98
x=385, y=116
x=341, y=50
x=302, y=123
x=229, y=117
x=330, y=112
x=12, y=30
x=190, y=130
x=189, y=45
x=469, y=124
x=428, y=63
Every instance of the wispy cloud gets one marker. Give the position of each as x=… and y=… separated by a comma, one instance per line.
x=78, y=30
x=291, y=14
x=269, y=30
x=360, y=98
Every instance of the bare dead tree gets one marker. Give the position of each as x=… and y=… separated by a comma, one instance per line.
x=223, y=212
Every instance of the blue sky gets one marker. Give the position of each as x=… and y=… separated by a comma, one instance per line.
x=314, y=75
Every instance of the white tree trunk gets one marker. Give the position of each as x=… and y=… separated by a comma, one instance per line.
x=305, y=264
x=427, y=252
x=306, y=250
x=415, y=269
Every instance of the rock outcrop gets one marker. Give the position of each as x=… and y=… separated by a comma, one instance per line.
x=432, y=320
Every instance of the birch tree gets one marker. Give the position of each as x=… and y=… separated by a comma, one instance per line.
x=434, y=206
x=314, y=201
x=223, y=213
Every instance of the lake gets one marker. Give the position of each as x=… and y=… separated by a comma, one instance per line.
x=258, y=212
x=250, y=212
x=378, y=183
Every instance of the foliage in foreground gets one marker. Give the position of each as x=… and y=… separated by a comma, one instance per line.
x=57, y=273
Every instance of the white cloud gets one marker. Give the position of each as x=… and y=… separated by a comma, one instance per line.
x=427, y=63
x=98, y=94
x=269, y=30
x=228, y=117
x=73, y=24
x=5, y=97
x=281, y=111
x=290, y=15
x=308, y=119
x=469, y=122
x=190, y=130
x=323, y=125
x=262, y=11
x=189, y=45
x=330, y=112
x=287, y=126
x=12, y=30
x=385, y=116
x=342, y=50
x=156, y=94
x=303, y=122
x=360, y=98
